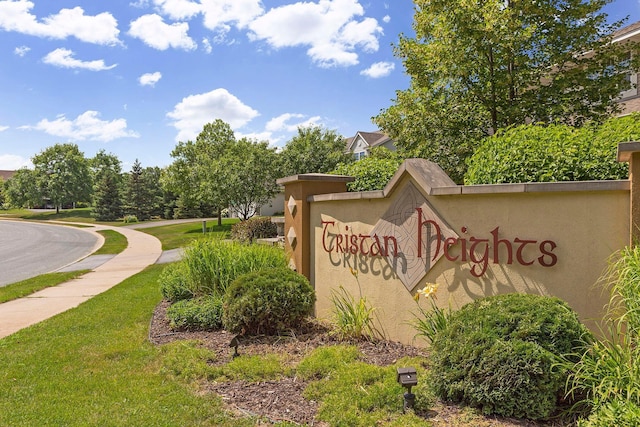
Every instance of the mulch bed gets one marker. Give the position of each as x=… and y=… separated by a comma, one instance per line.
x=282, y=400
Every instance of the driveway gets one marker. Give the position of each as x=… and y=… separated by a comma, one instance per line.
x=29, y=249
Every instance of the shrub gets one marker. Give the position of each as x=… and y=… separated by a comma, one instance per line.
x=619, y=413
x=267, y=301
x=128, y=219
x=254, y=228
x=372, y=172
x=497, y=353
x=536, y=153
x=203, y=313
x=208, y=266
x=173, y=282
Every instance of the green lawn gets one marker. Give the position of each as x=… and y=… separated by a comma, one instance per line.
x=180, y=235
x=93, y=366
x=114, y=243
x=29, y=286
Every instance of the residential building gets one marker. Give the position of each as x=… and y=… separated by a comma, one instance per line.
x=361, y=144
x=630, y=99
x=5, y=175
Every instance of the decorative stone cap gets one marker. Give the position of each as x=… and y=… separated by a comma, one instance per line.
x=315, y=177
x=626, y=149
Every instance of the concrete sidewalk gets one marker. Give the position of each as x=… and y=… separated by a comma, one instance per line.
x=143, y=250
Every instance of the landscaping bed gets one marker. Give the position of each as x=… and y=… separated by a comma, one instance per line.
x=282, y=400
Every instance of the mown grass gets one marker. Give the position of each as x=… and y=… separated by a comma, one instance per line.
x=29, y=286
x=180, y=235
x=93, y=366
x=114, y=243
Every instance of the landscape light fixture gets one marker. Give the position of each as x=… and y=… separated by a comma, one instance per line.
x=235, y=342
x=407, y=378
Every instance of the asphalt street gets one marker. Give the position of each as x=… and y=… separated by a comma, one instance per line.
x=30, y=249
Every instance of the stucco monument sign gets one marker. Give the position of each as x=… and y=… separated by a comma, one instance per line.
x=543, y=238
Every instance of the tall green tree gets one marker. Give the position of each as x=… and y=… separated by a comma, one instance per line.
x=106, y=170
x=107, y=198
x=137, y=194
x=22, y=190
x=62, y=175
x=478, y=66
x=314, y=150
x=218, y=170
x=151, y=180
x=251, y=169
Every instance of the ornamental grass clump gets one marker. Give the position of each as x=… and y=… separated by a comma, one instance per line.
x=606, y=379
x=208, y=267
x=500, y=354
x=353, y=319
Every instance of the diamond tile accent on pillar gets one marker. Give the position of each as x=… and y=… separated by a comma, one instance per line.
x=291, y=204
x=291, y=237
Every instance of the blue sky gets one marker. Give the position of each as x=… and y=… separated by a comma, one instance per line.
x=134, y=77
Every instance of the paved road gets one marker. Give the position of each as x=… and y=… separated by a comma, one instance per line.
x=29, y=249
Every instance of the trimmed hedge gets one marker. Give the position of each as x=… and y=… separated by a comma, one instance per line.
x=267, y=301
x=499, y=354
x=556, y=152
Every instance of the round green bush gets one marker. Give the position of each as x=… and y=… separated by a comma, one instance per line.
x=499, y=354
x=267, y=301
x=203, y=313
x=173, y=282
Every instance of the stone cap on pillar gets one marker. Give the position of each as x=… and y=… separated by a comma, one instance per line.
x=626, y=149
x=314, y=177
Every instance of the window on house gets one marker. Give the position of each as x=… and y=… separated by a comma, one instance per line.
x=360, y=155
x=632, y=77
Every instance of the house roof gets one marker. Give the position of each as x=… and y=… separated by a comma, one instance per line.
x=373, y=139
x=5, y=175
x=628, y=32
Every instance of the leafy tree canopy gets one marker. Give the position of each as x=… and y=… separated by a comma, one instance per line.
x=372, y=172
x=313, y=150
x=477, y=67
x=557, y=152
x=218, y=170
x=62, y=175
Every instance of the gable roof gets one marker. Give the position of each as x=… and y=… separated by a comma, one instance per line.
x=625, y=33
x=5, y=175
x=372, y=139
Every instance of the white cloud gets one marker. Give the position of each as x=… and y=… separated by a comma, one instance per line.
x=218, y=13
x=386, y=19
x=63, y=58
x=3, y=128
x=153, y=31
x=379, y=69
x=328, y=27
x=280, y=123
x=178, y=9
x=21, y=50
x=12, y=162
x=87, y=126
x=193, y=112
x=99, y=29
x=206, y=45
x=149, y=79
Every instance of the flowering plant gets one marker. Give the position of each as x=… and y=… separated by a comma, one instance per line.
x=429, y=322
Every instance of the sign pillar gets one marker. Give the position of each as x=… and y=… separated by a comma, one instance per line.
x=297, y=227
x=630, y=152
